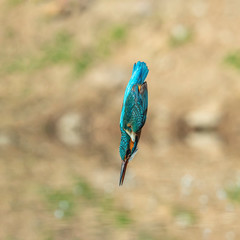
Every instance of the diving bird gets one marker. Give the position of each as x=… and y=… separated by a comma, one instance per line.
x=133, y=115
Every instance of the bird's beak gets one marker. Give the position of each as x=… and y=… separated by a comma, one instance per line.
x=123, y=171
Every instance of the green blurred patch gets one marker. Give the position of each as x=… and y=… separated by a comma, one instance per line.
x=63, y=50
x=22, y=65
x=160, y=235
x=13, y=3
x=184, y=217
x=83, y=189
x=60, y=50
x=48, y=236
x=18, y=64
x=81, y=63
x=111, y=39
x=118, y=33
x=180, y=35
x=62, y=202
x=122, y=219
x=164, y=237
x=233, y=59
x=10, y=33
x=233, y=193
x=145, y=236
x=11, y=238
x=106, y=204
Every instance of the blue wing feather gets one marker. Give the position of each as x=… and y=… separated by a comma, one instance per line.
x=135, y=110
x=139, y=74
x=125, y=139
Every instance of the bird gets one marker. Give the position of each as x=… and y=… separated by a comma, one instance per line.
x=133, y=115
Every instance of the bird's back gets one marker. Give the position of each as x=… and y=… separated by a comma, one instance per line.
x=136, y=108
x=139, y=74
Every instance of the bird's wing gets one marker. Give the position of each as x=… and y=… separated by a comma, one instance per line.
x=135, y=108
x=127, y=109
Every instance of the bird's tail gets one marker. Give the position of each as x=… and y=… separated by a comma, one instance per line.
x=141, y=69
x=123, y=171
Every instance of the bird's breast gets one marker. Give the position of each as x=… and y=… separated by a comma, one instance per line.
x=131, y=145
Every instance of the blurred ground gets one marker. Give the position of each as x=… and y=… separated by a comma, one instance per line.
x=64, y=65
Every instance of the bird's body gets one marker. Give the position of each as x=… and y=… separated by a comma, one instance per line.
x=133, y=115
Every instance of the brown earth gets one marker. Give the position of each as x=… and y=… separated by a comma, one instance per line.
x=64, y=66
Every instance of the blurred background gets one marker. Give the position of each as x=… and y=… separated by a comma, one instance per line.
x=64, y=66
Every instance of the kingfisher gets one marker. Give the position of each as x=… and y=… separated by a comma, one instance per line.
x=133, y=115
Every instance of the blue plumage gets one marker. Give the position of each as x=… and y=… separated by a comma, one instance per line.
x=133, y=115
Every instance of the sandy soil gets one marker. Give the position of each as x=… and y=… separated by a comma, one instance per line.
x=64, y=66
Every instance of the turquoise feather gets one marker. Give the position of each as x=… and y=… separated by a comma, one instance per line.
x=133, y=115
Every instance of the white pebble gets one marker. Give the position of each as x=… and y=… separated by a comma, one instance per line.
x=221, y=194
x=59, y=213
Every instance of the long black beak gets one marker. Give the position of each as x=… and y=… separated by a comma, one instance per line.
x=123, y=171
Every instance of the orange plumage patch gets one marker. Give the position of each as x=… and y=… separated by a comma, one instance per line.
x=139, y=87
x=131, y=144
